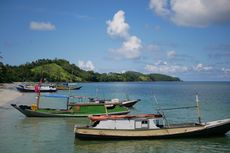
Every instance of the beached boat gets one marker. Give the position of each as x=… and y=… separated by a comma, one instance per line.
x=72, y=109
x=30, y=88
x=148, y=126
x=125, y=102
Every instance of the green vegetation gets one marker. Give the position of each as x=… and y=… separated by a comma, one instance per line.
x=60, y=70
x=54, y=72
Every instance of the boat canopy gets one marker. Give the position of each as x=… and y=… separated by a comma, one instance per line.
x=54, y=96
x=62, y=96
x=115, y=117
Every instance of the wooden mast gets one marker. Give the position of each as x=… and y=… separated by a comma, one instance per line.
x=38, y=90
x=198, y=109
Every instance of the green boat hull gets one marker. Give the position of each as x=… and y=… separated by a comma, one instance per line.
x=80, y=110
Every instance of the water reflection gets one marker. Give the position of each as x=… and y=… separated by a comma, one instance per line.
x=201, y=145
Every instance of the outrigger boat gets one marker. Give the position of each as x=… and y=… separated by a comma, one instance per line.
x=30, y=88
x=67, y=86
x=72, y=109
x=125, y=102
x=147, y=126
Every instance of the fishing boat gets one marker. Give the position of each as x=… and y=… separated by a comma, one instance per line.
x=67, y=86
x=31, y=88
x=125, y=102
x=147, y=126
x=72, y=109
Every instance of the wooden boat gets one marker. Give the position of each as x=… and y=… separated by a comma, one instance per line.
x=30, y=88
x=72, y=109
x=125, y=102
x=66, y=86
x=147, y=127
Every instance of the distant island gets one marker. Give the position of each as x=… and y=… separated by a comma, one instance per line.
x=60, y=70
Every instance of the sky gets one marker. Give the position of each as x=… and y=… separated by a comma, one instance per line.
x=189, y=39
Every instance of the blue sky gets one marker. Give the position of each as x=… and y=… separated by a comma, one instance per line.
x=189, y=39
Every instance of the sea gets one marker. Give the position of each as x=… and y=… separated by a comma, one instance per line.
x=20, y=134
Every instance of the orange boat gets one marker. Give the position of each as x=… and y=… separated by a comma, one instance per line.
x=115, y=117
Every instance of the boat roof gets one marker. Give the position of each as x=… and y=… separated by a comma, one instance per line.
x=54, y=96
x=116, y=117
x=62, y=96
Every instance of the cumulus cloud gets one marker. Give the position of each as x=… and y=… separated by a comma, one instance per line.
x=200, y=67
x=196, y=13
x=42, y=26
x=130, y=48
x=160, y=7
x=165, y=68
x=86, y=65
x=118, y=27
x=171, y=54
x=131, y=45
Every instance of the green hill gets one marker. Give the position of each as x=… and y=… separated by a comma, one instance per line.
x=55, y=73
x=60, y=70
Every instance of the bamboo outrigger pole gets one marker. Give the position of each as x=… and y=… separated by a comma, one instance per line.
x=198, y=109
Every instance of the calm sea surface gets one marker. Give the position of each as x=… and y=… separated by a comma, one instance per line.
x=40, y=135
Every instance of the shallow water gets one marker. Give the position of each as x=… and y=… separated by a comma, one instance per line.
x=21, y=134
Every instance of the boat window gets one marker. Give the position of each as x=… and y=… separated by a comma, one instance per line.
x=144, y=122
x=159, y=123
x=95, y=123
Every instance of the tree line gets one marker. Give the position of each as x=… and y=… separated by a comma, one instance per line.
x=61, y=70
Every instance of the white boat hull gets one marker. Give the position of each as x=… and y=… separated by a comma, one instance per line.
x=219, y=127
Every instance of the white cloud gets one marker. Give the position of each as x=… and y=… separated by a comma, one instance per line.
x=118, y=27
x=160, y=7
x=130, y=49
x=43, y=26
x=196, y=13
x=131, y=45
x=165, y=68
x=171, y=54
x=86, y=65
x=160, y=62
x=200, y=67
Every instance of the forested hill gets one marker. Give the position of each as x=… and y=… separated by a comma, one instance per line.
x=60, y=70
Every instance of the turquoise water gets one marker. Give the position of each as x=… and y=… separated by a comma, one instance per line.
x=21, y=134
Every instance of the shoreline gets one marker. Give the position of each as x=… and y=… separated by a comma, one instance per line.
x=7, y=93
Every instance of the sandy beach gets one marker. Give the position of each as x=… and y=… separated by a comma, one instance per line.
x=7, y=93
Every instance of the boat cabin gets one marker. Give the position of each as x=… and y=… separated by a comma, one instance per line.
x=131, y=123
